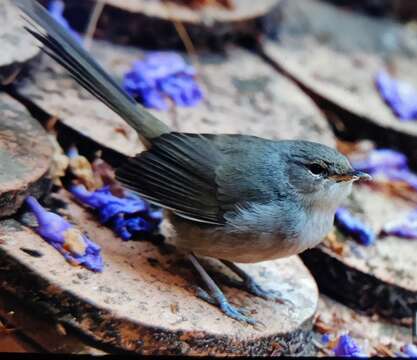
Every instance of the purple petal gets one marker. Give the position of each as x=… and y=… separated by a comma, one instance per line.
x=325, y=339
x=403, y=228
x=64, y=237
x=348, y=347
x=353, y=227
x=410, y=350
x=403, y=175
x=127, y=216
x=160, y=75
x=399, y=95
x=381, y=159
x=56, y=9
x=50, y=226
x=164, y=64
x=72, y=152
x=119, y=226
x=152, y=98
x=183, y=90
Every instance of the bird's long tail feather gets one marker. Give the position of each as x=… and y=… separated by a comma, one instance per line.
x=64, y=49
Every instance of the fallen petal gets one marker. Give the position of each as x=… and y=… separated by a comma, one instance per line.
x=353, y=227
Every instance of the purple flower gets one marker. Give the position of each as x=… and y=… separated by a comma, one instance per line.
x=56, y=9
x=389, y=163
x=403, y=228
x=403, y=175
x=399, y=95
x=346, y=346
x=379, y=160
x=72, y=152
x=75, y=246
x=353, y=227
x=162, y=75
x=127, y=216
x=410, y=350
x=325, y=339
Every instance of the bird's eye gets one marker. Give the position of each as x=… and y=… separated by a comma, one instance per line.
x=317, y=169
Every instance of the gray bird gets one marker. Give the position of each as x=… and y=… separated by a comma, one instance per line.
x=236, y=198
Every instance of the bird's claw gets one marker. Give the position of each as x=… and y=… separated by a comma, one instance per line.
x=239, y=314
x=235, y=313
x=204, y=295
x=256, y=290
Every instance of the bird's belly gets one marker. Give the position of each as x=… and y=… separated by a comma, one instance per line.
x=247, y=247
x=237, y=247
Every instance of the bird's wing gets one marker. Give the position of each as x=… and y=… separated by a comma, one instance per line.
x=178, y=173
x=204, y=177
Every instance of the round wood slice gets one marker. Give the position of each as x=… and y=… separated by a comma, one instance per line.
x=17, y=46
x=25, y=156
x=168, y=10
x=242, y=95
x=375, y=336
x=335, y=55
x=378, y=279
x=153, y=22
x=144, y=300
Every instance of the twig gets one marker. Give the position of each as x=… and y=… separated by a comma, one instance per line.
x=185, y=38
x=92, y=23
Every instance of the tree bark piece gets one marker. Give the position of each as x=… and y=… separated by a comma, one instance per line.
x=144, y=301
x=242, y=95
x=379, y=279
x=37, y=333
x=25, y=156
x=17, y=46
x=334, y=55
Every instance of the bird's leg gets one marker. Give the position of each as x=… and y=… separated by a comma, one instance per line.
x=216, y=296
x=251, y=286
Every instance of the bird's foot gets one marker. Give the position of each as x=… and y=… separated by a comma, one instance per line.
x=239, y=314
x=251, y=286
x=235, y=313
x=255, y=289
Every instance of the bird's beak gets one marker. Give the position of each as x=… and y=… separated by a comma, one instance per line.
x=352, y=176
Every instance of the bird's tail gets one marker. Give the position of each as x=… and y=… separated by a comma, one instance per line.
x=64, y=49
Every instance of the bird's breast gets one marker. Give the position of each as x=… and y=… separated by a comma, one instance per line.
x=247, y=246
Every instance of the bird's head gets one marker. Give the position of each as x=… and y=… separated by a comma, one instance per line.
x=322, y=176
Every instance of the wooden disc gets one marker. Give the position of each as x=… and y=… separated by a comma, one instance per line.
x=335, y=55
x=242, y=95
x=144, y=301
x=25, y=156
x=17, y=46
x=162, y=24
x=169, y=10
x=378, y=279
x=375, y=336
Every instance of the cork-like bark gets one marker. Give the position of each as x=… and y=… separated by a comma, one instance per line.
x=25, y=156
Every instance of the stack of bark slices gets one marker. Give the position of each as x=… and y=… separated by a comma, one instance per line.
x=335, y=54
x=321, y=47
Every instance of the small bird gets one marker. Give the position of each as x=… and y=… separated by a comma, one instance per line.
x=236, y=198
